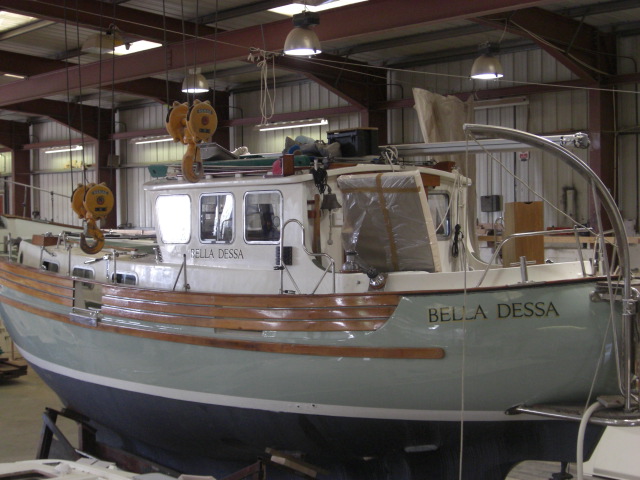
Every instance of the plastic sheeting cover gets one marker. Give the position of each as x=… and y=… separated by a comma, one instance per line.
x=388, y=223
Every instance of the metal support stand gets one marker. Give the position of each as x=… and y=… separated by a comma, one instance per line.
x=562, y=474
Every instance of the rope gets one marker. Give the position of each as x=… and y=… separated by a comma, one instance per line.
x=263, y=59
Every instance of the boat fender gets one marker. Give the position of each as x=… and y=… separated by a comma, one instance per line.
x=176, y=122
x=191, y=159
x=202, y=121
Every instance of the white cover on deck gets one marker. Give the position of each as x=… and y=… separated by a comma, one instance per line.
x=387, y=221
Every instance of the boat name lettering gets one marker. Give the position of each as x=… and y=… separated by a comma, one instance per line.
x=224, y=253
x=503, y=310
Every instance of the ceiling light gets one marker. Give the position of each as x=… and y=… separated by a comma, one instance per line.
x=75, y=148
x=135, y=47
x=103, y=42
x=11, y=75
x=9, y=21
x=294, y=8
x=144, y=140
x=302, y=41
x=195, y=82
x=294, y=124
x=486, y=66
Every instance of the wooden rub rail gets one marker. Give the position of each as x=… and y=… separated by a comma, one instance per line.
x=312, y=313
x=247, y=312
x=37, y=283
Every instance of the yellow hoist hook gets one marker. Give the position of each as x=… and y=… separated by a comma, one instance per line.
x=92, y=203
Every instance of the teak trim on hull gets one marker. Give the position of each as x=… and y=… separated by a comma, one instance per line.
x=16, y=277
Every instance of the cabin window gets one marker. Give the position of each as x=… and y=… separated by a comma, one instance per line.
x=440, y=213
x=125, y=278
x=83, y=273
x=262, y=213
x=173, y=214
x=50, y=266
x=216, y=218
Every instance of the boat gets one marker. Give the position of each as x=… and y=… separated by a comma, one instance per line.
x=339, y=312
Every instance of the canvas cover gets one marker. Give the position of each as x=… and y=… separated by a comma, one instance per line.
x=388, y=223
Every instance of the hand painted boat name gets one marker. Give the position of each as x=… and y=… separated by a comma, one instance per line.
x=502, y=310
x=221, y=253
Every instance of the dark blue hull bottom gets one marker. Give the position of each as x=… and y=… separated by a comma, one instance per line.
x=215, y=440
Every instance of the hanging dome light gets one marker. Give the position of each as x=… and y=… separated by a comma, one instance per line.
x=103, y=42
x=195, y=82
x=486, y=66
x=302, y=40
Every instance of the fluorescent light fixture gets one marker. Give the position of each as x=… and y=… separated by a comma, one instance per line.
x=294, y=124
x=11, y=75
x=9, y=21
x=294, y=8
x=75, y=148
x=135, y=47
x=145, y=140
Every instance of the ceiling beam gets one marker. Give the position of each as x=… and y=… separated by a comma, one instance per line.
x=350, y=80
x=582, y=48
x=99, y=15
x=92, y=121
x=338, y=24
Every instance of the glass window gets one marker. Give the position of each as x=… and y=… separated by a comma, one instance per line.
x=50, y=266
x=440, y=213
x=125, y=278
x=216, y=218
x=174, y=218
x=83, y=273
x=262, y=212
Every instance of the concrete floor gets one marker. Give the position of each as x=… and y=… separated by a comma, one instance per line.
x=22, y=402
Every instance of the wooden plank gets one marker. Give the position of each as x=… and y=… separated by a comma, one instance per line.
x=302, y=313
x=36, y=293
x=249, y=325
x=249, y=301
x=31, y=272
x=37, y=284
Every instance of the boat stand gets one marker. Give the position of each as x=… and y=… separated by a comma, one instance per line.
x=89, y=447
x=9, y=370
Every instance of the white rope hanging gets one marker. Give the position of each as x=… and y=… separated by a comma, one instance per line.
x=264, y=60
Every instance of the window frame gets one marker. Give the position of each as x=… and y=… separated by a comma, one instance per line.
x=233, y=218
x=245, y=216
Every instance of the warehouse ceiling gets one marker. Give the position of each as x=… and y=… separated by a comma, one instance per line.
x=41, y=41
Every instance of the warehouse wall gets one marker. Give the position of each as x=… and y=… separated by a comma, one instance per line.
x=628, y=131
x=292, y=98
x=56, y=174
x=550, y=113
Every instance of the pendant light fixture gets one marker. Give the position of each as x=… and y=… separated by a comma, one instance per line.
x=103, y=42
x=195, y=82
x=487, y=66
x=302, y=40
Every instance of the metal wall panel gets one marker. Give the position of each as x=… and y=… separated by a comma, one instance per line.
x=545, y=114
x=291, y=98
x=628, y=130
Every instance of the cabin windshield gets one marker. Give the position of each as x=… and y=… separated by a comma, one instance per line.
x=387, y=222
x=440, y=213
x=173, y=214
